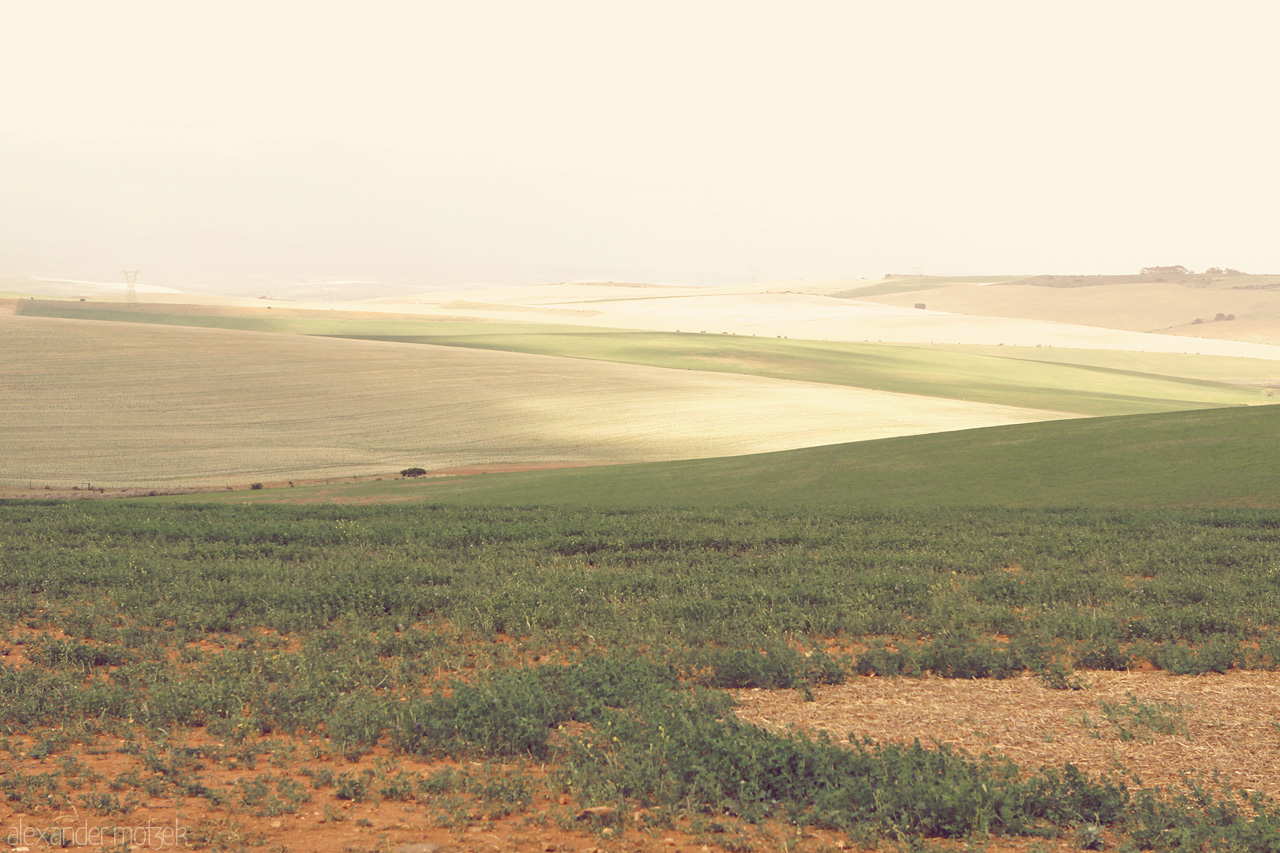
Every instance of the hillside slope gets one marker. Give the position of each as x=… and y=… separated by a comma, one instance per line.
x=1221, y=457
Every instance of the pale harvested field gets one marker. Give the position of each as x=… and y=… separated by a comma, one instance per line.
x=1138, y=307
x=124, y=405
x=777, y=311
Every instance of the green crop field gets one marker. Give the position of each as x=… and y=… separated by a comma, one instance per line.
x=503, y=669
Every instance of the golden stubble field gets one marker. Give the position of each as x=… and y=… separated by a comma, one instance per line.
x=109, y=404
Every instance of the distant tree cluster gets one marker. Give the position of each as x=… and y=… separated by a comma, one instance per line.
x=413, y=472
x=1181, y=270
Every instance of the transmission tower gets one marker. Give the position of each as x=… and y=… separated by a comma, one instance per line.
x=130, y=289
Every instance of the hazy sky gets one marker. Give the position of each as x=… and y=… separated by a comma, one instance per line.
x=700, y=142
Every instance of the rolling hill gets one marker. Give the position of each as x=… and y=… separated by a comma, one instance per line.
x=1204, y=459
x=1019, y=376
x=115, y=404
x=225, y=392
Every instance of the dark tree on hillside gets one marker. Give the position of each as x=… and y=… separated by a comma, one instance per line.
x=413, y=472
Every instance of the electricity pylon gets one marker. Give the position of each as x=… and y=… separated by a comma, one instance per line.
x=130, y=290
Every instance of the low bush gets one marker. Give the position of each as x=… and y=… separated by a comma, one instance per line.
x=1107, y=654
x=777, y=665
x=514, y=711
x=1215, y=654
x=967, y=656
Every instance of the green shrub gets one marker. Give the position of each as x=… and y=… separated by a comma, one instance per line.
x=1106, y=655
x=511, y=714
x=967, y=656
x=1217, y=654
x=353, y=786
x=777, y=665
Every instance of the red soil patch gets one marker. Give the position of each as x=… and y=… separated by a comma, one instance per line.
x=152, y=815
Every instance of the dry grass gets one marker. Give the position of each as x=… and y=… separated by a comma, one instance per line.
x=121, y=404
